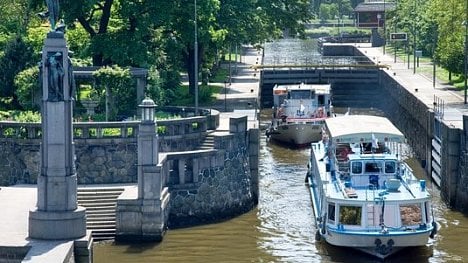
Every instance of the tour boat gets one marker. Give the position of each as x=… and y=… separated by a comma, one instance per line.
x=299, y=112
x=364, y=195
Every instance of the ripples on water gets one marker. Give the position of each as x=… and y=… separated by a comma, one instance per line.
x=281, y=228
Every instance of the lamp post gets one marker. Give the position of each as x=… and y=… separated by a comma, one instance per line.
x=225, y=95
x=147, y=107
x=415, y=33
x=384, y=27
x=466, y=50
x=466, y=45
x=378, y=20
x=195, y=57
x=394, y=42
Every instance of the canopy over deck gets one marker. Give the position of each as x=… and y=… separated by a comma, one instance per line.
x=318, y=88
x=362, y=128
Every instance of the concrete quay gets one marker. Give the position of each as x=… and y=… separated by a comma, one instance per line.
x=15, y=245
x=421, y=85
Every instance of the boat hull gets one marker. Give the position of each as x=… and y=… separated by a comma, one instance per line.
x=376, y=243
x=297, y=133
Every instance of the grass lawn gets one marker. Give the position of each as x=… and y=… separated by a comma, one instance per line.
x=426, y=67
x=205, y=95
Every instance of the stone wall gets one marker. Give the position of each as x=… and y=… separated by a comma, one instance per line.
x=408, y=113
x=416, y=120
x=105, y=151
x=462, y=182
x=215, y=184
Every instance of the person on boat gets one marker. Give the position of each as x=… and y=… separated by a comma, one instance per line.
x=280, y=113
x=301, y=110
x=345, y=151
x=320, y=113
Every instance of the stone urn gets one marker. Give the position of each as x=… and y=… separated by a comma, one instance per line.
x=90, y=105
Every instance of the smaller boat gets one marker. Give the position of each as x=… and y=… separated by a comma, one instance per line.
x=364, y=196
x=299, y=112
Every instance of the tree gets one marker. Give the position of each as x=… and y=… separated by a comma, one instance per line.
x=115, y=88
x=450, y=48
x=18, y=56
x=28, y=90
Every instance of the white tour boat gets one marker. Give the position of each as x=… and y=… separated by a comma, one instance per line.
x=364, y=196
x=299, y=112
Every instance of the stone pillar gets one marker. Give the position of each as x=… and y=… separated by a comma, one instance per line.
x=147, y=154
x=57, y=215
x=143, y=217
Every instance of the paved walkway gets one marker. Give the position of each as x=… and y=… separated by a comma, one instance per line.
x=421, y=85
x=242, y=92
x=15, y=204
x=240, y=97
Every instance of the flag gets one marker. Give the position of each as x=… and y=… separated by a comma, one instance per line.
x=375, y=142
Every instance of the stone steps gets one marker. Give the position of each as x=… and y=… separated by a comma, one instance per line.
x=208, y=143
x=100, y=204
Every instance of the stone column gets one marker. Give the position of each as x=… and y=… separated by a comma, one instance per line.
x=57, y=215
x=143, y=216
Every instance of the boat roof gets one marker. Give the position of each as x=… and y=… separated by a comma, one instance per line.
x=362, y=128
x=318, y=88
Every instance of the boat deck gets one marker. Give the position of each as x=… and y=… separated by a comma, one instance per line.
x=336, y=188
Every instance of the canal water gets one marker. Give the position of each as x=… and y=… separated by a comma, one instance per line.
x=281, y=228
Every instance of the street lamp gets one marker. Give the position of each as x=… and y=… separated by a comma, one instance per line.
x=466, y=44
x=225, y=95
x=195, y=58
x=147, y=110
x=378, y=20
x=384, y=27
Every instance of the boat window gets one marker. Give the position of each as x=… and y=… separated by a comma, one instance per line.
x=321, y=99
x=350, y=215
x=356, y=167
x=390, y=167
x=331, y=212
x=427, y=205
x=373, y=167
x=299, y=94
x=410, y=214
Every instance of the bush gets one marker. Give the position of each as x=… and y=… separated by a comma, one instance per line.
x=28, y=90
x=18, y=56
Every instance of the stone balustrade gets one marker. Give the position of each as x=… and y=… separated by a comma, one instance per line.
x=105, y=151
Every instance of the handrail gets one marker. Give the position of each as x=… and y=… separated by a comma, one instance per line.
x=93, y=130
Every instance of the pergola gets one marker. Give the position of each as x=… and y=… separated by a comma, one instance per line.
x=140, y=74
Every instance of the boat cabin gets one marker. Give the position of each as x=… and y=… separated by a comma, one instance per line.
x=302, y=100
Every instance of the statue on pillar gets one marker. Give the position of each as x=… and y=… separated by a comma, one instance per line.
x=53, y=13
x=53, y=10
x=55, y=77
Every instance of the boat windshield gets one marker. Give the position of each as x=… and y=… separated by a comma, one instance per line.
x=373, y=166
x=299, y=94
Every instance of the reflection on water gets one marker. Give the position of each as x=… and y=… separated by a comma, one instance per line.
x=281, y=228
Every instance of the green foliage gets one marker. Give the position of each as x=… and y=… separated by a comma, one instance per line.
x=18, y=56
x=35, y=38
x=205, y=95
x=154, y=88
x=220, y=75
x=20, y=116
x=79, y=42
x=28, y=89
x=121, y=90
x=328, y=11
